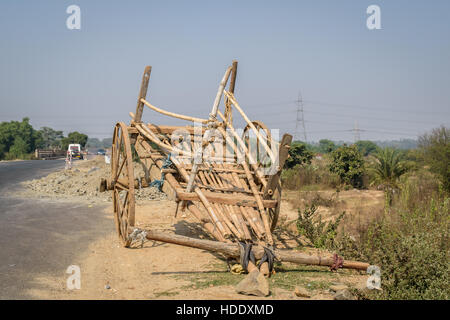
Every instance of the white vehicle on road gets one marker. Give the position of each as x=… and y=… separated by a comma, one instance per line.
x=75, y=150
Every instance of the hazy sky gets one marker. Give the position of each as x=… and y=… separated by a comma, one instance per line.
x=393, y=82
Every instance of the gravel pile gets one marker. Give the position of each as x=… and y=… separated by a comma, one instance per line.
x=82, y=181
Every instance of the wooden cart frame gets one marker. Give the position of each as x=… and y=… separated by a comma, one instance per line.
x=231, y=196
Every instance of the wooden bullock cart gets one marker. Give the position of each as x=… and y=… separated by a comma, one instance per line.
x=228, y=181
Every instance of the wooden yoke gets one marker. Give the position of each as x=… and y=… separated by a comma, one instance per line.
x=142, y=94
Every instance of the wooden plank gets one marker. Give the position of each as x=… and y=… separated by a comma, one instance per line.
x=212, y=188
x=162, y=129
x=225, y=198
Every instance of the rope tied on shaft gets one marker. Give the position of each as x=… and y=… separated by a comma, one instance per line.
x=159, y=183
x=246, y=255
x=338, y=262
x=138, y=235
x=269, y=257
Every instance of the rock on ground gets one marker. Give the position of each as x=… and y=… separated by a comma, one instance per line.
x=254, y=284
x=344, y=295
x=302, y=292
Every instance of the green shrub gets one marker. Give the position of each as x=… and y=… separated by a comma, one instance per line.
x=348, y=164
x=435, y=149
x=411, y=246
x=315, y=174
x=366, y=147
x=321, y=234
x=298, y=155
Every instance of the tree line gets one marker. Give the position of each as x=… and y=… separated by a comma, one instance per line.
x=18, y=139
x=385, y=165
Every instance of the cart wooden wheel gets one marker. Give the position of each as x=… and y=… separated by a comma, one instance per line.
x=255, y=148
x=122, y=178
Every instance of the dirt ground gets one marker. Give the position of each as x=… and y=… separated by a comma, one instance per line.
x=166, y=271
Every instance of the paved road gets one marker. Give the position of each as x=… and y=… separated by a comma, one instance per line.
x=40, y=237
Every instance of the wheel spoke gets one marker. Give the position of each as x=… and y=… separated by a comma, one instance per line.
x=121, y=166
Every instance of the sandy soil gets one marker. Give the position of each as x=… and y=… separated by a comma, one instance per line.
x=160, y=270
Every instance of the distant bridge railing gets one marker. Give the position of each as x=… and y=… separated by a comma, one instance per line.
x=49, y=154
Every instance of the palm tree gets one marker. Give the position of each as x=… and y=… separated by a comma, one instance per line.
x=387, y=168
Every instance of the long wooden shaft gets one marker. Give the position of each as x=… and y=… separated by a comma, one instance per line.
x=192, y=175
x=196, y=161
x=261, y=208
x=235, y=209
x=222, y=85
x=232, y=250
x=203, y=199
x=234, y=228
x=172, y=114
x=247, y=153
x=251, y=214
x=231, y=209
x=206, y=224
x=245, y=213
x=146, y=132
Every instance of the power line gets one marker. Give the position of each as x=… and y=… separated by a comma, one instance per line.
x=351, y=106
x=391, y=109
x=370, y=131
x=371, y=118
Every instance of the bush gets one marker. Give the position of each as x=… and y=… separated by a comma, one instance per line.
x=348, y=164
x=366, y=147
x=17, y=138
x=315, y=174
x=321, y=234
x=18, y=149
x=326, y=146
x=74, y=137
x=298, y=155
x=435, y=149
x=411, y=246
